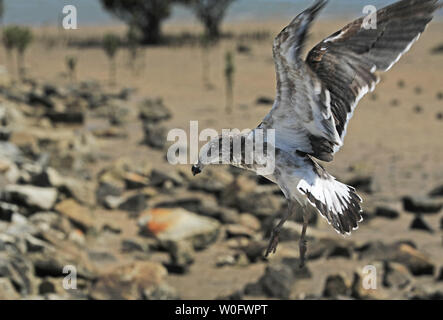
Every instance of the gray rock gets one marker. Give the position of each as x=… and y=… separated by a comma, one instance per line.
x=19, y=271
x=418, y=263
x=436, y=192
x=277, y=281
x=336, y=286
x=213, y=181
x=238, y=231
x=79, y=215
x=422, y=205
x=7, y=210
x=134, y=245
x=362, y=183
x=396, y=276
x=155, y=135
x=133, y=281
x=440, y=275
x=7, y=291
x=67, y=117
x=387, y=211
x=153, y=111
x=181, y=256
x=35, y=198
x=134, y=204
x=178, y=225
x=159, y=178
x=419, y=223
x=105, y=190
x=264, y=101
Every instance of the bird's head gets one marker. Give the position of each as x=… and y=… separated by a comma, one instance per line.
x=207, y=155
x=196, y=169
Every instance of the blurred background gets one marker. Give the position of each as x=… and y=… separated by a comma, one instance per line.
x=84, y=180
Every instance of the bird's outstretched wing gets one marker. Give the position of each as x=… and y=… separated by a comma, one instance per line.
x=316, y=98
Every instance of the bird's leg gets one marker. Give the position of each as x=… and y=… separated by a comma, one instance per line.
x=302, y=244
x=272, y=247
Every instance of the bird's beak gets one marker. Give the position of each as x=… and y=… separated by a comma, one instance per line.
x=195, y=170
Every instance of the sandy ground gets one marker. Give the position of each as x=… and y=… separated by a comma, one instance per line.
x=400, y=148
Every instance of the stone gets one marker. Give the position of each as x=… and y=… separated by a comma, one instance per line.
x=297, y=272
x=39, y=99
x=181, y=256
x=244, y=195
x=419, y=223
x=388, y=211
x=68, y=117
x=396, y=276
x=440, y=275
x=101, y=256
x=7, y=210
x=106, y=190
x=110, y=133
x=250, y=221
x=179, y=225
x=255, y=250
x=212, y=181
x=134, y=245
x=362, y=183
x=236, y=231
x=264, y=101
x=227, y=260
x=135, y=181
x=35, y=198
x=11, y=152
x=7, y=291
x=159, y=178
x=422, y=205
x=154, y=111
x=335, y=286
x=78, y=214
x=277, y=281
x=418, y=263
x=20, y=271
x=155, y=135
x=436, y=192
x=129, y=282
x=134, y=203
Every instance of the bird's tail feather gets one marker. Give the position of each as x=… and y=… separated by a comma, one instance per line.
x=338, y=203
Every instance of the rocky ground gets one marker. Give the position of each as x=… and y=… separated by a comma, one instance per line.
x=76, y=192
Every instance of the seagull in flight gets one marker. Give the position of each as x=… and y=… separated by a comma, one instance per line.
x=315, y=100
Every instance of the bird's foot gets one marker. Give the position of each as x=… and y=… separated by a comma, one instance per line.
x=303, y=248
x=273, y=243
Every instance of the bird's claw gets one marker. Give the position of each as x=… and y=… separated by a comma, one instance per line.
x=273, y=243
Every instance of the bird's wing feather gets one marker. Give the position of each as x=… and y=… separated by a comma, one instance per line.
x=316, y=99
x=346, y=61
x=301, y=114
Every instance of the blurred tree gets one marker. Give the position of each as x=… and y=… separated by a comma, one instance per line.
x=23, y=40
x=206, y=44
x=145, y=15
x=229, y=74
x=133, y=38
x=8, y=38
x=71, y=64
x=111, y=43
x=211, y=13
